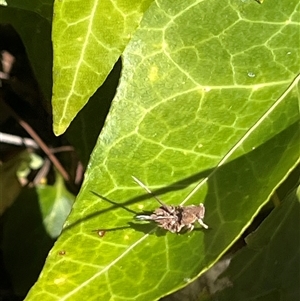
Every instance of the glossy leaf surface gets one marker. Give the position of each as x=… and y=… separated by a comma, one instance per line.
x=88, y=38
x=274, y=251
x=207, y=107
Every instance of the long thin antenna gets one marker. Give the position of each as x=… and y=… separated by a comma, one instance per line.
x=148, y=190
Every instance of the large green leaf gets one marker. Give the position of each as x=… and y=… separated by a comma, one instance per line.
x=274, y=251
x=88, y=38
x=207, y=107
x=84, y=131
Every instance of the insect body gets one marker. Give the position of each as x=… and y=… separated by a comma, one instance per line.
x=174, y=218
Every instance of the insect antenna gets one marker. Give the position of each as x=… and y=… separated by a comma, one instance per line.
x=150, y=192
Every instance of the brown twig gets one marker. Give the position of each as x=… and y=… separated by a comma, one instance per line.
x=60, y=149
x=41, y=144
x=79, y=173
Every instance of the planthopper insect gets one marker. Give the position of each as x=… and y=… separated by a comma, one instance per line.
x=174, y=218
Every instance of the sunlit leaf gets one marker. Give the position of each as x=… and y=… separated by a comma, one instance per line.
x=88, y=38
x=84, y=131
x=207, y=107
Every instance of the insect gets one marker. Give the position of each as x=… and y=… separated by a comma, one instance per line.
x=174, y=218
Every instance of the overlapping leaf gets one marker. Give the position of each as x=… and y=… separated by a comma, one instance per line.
x=29, y=228
x=36, y=36
x=88, y=38
x=43, y=8
x=207, y=107
x=274, y=251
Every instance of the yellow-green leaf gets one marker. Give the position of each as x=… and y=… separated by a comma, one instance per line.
x=88, y=38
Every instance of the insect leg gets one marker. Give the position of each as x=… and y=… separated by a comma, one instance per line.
x=200, y=221
x=144, y=217
x=190, y=227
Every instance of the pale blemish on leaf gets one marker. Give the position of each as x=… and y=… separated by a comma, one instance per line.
x=140, y=206
x=153, y=73
x=60, y=280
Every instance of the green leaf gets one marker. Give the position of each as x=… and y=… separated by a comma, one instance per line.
x=56, y=203
x=84, y=131
x=88, y=38
x=267, y=268
x=206, y=111
x=36, y=36
x=9, y=179
x=29, y=228
x=43, y=8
